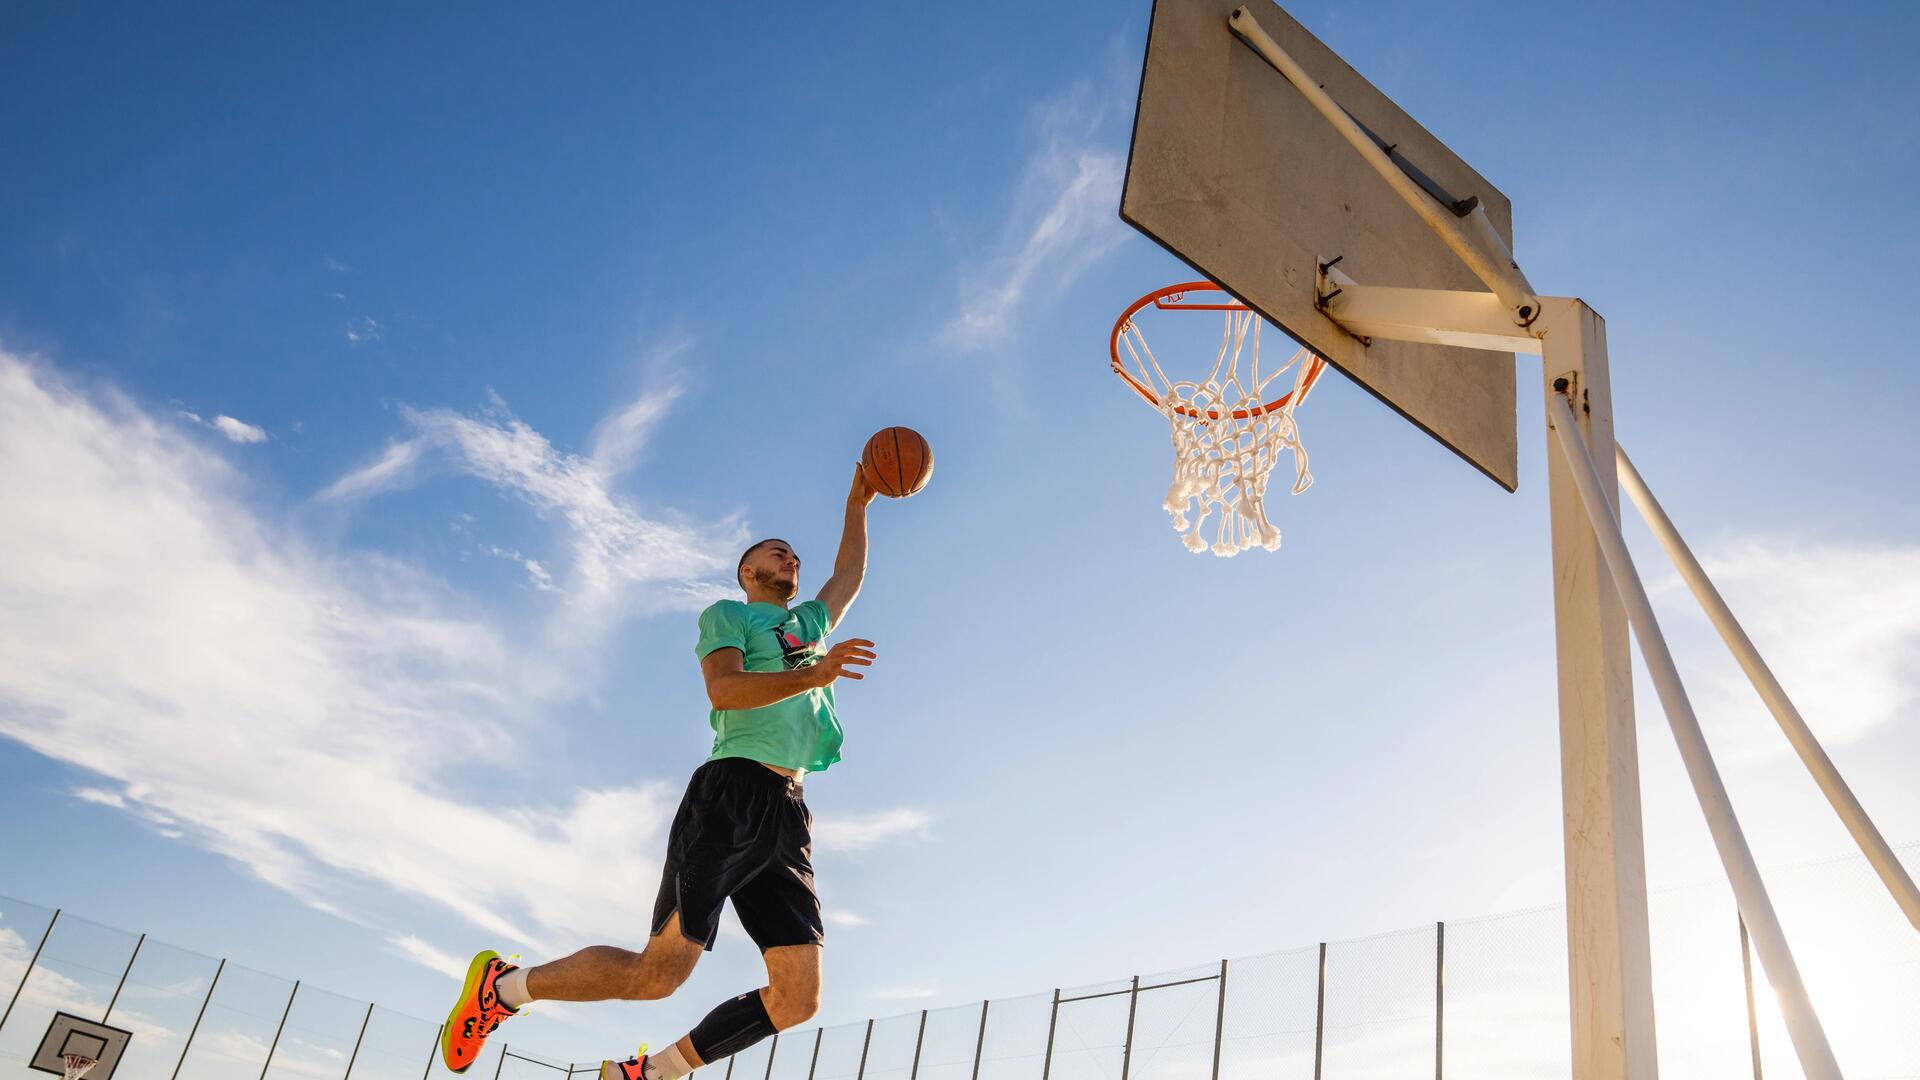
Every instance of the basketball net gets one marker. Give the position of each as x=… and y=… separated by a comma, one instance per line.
x=76, y=1065
x=1228, y=435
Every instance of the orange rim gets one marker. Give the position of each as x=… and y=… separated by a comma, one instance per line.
x=1170, y=299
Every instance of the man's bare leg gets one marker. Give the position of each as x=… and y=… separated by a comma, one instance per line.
x=608, y=973
x=791, y=997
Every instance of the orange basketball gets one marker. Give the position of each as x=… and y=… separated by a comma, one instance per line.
x=897, y=461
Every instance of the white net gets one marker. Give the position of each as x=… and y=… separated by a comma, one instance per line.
x=76, y=1066
x=1228, y=434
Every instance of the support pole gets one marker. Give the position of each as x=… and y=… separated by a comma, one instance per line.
x=294, y=993
x=1809, y=1039
x=122, y=984
x=979, y=1042
x=1219, y=1020
x=1053, y=1022
x=1320, y=1013
x=497, y=1066
x=1439, y=998
x=431, y=1054
x=28, y=974
x=814, y=1062
x=1126, y=1048
x=362, y=1037
x=1753, y=1017
x=772, y=1049
x=861, y=1072
x=197, y=1017
x=918, y=1040
x=1609, y=960
x=1839, y=795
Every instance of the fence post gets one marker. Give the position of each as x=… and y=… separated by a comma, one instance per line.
x=772, y=1049
x=1439, y=996
x=865, y=1042
x=917, y=1040
x=501, y=1064
x=122, y=985
x=362, y=1037
x=1753, y=1018
x=27, y=974
x=435, y=1052
x=1220, y=1020
x=1320, y=1012
x=283, y=1026
x=1053, y=1021
x=1126, y=1048
x=201, y=1015
x=814, y=1063
x=979, y=1043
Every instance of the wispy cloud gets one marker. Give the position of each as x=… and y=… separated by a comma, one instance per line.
x=843, y=917
x=1062, y=220
x=859, y=832
x=239, y=430
x=363, y=330
x=336, y=265
x=392, y=469
x=427, y=956
x=1838, y=624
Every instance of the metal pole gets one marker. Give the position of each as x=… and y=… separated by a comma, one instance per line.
x=1874, y=846
x=1320, y=1012
x=865, y=1042
x=283, y=1026
x=501, y=1064
x=730, y=1060
x=1053, y=1021
x=25, y=975
x=1219, y=1020
x=1809, y=1038
x=115, y=999
x=435, y=1052
x=362, y=1037
x=1753, y=1018
x=979, y=1043
x=1439, y=995
x=772, y=1049
x=1126, y=1048
x=195, y=1029
x=917, y=1040
x=818, y=1034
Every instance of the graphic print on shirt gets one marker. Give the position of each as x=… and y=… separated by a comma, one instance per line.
x=795, y=653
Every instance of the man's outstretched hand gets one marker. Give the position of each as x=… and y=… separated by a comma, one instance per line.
x=862, y=492
x=851, y=653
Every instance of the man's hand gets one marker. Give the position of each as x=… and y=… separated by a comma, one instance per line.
x=862, y=493
x=853, y=652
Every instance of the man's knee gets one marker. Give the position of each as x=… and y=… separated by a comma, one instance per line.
x=792, y=1002
x=658, y=973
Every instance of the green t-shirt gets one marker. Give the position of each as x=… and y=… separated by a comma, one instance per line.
x=801, y=732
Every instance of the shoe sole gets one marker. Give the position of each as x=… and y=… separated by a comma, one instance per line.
x=475, y=971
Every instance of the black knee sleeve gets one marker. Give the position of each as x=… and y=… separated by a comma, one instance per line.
x=731, y=1027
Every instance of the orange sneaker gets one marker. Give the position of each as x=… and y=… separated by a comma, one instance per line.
x=631, y=1069
x=476, y=1014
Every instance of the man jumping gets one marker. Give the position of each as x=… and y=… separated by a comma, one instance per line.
x=743, y=831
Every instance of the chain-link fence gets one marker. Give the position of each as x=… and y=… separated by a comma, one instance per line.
x=1482, y=998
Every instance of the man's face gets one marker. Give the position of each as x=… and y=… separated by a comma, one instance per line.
x=774, y=567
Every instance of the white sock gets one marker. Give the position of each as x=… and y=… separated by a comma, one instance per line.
x=668, y=1064
x=512, y=988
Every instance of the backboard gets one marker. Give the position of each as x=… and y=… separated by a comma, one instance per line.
x=1232, y=170
x=70, y=1034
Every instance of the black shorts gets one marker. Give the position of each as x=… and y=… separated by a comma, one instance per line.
x=743, y=831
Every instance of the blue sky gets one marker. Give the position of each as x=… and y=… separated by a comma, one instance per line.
x=382, y=393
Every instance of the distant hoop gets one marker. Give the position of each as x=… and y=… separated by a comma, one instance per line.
x=1169, y=299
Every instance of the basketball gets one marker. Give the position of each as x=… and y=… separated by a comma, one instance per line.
x=897, y=462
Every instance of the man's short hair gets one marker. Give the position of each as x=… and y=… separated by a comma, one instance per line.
x=757, y=545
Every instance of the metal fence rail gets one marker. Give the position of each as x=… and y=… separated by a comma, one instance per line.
x=1482, y=998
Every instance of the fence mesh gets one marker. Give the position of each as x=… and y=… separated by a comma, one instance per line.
x=1482, y=998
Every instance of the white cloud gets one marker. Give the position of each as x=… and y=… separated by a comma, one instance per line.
x=846, y=918
x=859, y=832
x=1838, y=624
x=1063, y=221
x=392, y=469
x=336, y=265
x=363, y=330
x=99, y=797
x=239, y=430
x=428, y=957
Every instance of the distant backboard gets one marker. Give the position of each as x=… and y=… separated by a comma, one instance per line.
x=70, y=1034
x=1233, y=171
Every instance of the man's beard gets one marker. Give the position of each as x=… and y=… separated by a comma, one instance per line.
x=784, y=587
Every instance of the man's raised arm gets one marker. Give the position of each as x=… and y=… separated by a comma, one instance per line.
x=730, y=686
x=850, y=565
